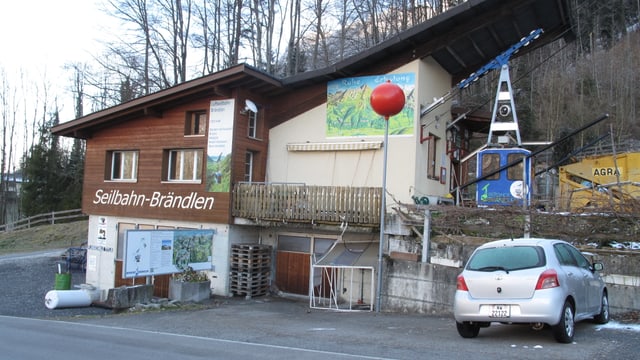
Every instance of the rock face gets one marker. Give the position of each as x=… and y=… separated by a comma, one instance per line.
x=189, y=291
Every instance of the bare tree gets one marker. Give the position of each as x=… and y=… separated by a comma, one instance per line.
x=263, y=32
x=209, y=38
x=294, y=53
x=234, y=33
x=176, y=41
x=7, y=112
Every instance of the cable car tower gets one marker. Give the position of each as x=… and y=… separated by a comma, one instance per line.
x=499, y=180
x=504, y=120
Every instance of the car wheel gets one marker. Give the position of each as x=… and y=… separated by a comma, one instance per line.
x=468, y=330
x=603, y=316
x=563, y=331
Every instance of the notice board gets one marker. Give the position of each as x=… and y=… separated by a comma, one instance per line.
x=157, y=252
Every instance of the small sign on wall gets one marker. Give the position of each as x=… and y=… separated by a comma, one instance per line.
x=102, y=230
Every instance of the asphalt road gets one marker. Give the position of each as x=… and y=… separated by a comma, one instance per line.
x=265, y=328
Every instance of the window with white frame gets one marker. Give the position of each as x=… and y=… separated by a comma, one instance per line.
x=183, y=165
x=123, y=165
x=253, y=124
x=248, y=166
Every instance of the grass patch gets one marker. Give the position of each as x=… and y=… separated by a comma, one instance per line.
x=44, y=237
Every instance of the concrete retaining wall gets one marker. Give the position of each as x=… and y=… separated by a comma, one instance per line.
x=415, y=287
x=429, y=288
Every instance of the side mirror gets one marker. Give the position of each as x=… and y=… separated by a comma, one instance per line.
x=597, y=266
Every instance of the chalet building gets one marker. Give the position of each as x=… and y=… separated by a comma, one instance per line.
x=294, y=165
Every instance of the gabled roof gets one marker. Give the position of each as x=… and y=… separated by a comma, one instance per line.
x=220, y=83
x=461, y=40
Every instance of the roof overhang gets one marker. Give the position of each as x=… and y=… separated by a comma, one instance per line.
x=352, y=254
x=461, y=40
x=218, y=84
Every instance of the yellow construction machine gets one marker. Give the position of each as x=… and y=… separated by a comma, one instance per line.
x=602, y=182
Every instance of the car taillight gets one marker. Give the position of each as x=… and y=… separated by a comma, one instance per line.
x=461, y=284
x=547, y=280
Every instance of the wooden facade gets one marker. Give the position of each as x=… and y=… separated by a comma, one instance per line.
x=151, y=136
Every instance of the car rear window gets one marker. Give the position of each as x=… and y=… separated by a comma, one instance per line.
x=507, y=258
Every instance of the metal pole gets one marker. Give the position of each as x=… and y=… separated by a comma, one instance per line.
x=525, y=196
x=426, y=237
x=383, y=209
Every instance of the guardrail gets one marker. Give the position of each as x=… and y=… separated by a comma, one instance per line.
x=45, y=219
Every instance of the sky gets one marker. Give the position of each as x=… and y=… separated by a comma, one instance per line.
x=38, y=37
x=34, y=33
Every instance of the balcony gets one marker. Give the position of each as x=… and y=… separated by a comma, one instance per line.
x=284, y=202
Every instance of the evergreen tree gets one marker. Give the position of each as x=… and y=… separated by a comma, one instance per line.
x=73, y=176
x=45, y=184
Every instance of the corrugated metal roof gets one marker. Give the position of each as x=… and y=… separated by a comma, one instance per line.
x=353, y=254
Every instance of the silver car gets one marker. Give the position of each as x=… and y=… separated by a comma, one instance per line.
x=529, y=281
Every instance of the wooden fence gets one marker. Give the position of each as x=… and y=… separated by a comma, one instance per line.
x=311, y=204
x=45, y=219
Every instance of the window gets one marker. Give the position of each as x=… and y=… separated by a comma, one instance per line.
x=253, y=124
x=570, y=256
x=564, y=255
x=248, y=166
x=515, y=171
x=432, y=145
x=507, y=258
x=490, y=163
x=123, y=165
x=183, y=165
x=580, y=259
x=196, y=123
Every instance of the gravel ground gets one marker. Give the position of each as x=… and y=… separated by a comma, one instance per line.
x=26, y=279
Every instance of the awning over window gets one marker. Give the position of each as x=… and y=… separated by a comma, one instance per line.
x=356, y=254
x=335, y=146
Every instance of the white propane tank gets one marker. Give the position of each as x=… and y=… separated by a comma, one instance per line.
x=56, y=299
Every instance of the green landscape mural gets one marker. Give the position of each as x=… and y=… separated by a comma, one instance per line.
x=349, y=112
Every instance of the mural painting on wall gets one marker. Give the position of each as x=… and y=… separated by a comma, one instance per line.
x=349, y=112
x=219, y=145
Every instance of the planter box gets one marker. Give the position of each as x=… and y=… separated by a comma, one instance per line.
x=189, y=291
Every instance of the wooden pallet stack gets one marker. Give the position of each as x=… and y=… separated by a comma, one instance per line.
x=250, y=269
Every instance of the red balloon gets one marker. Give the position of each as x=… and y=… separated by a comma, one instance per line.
x=387, y=99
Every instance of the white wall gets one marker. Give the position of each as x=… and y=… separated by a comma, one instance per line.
x=101, y=253
x=103, y=249
x=406, y=163
x=432, y=82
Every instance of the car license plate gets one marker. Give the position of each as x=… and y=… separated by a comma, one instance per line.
x=500, y=311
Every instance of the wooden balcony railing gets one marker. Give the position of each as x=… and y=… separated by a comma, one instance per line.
x=311, y=204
